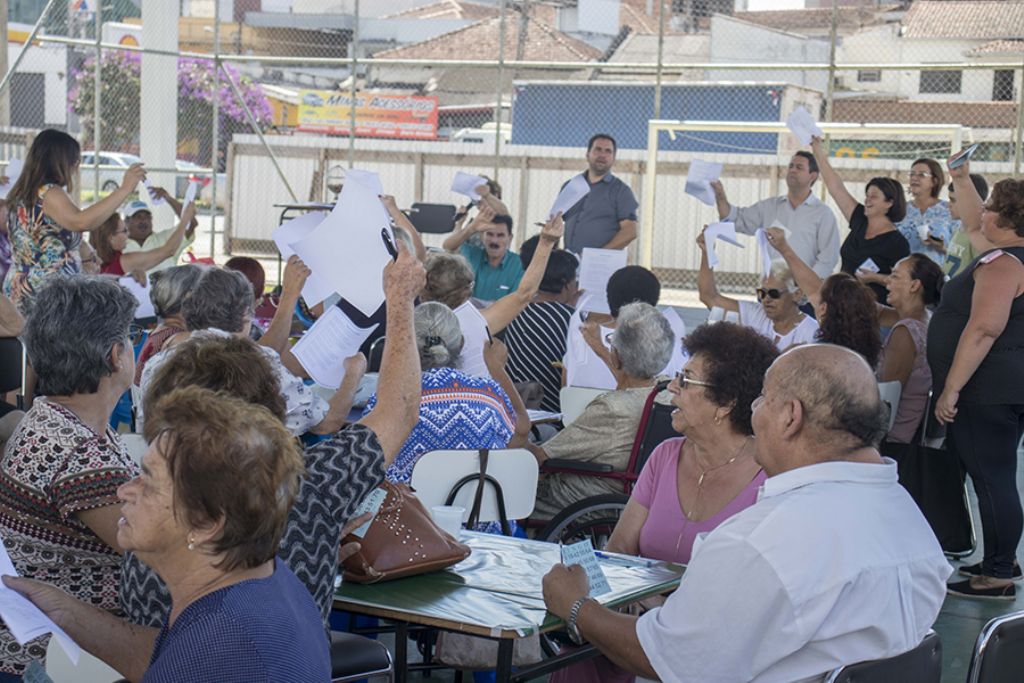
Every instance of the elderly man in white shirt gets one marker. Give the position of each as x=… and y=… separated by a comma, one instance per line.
x=814, y=233
x=833, y=565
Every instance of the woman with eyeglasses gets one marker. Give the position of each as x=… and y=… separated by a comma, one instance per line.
x=110, y=239
x=928, y=225
x=694, y=482
x=874, y=245
x=777, y=316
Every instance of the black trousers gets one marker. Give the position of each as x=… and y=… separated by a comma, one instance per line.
x=986, y=438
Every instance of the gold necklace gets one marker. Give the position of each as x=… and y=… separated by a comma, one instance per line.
x=687, y=516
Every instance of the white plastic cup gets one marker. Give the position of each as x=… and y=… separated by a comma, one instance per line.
x=448, y=517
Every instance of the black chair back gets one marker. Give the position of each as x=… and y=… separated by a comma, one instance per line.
x=655, y=427
x=923, y=664
x=10, y=364
x=432, y=218
x=999, y=653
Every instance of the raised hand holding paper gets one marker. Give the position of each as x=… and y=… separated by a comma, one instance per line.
x=346, y=249
x=368, y=179
x=154, y=199
x=574, y=190
x=325, y=346
x=596, y=268
x=698, y=180
x=719, y=231
x=961, y=158
x=765, y=249
x=317, y=288
x=803, y=126
x=191, y=192
x=466, y=184
x=12, y=172
x=582, y=553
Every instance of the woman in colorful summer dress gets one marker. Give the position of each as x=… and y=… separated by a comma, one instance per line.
x=45, y=224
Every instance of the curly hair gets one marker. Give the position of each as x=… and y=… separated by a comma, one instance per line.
x=736, y=358
x=850, y=319
x=1007, y=201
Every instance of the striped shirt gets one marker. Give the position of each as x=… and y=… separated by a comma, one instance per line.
x=536, y=339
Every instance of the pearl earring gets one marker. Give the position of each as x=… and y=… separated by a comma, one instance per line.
x=191, y=543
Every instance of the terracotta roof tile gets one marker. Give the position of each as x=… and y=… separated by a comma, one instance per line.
x=447, y=9
x=974, y=19
x=998, y=47
x=814, y=19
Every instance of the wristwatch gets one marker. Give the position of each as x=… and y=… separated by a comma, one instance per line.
x=574, y=631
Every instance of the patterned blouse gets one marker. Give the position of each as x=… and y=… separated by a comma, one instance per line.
x=40, y=248
x=936, y=221
x=53, y=467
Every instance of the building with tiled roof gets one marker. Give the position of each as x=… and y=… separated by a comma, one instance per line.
x=971, y=20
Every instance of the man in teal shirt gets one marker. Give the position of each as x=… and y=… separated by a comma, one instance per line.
x=497, y=270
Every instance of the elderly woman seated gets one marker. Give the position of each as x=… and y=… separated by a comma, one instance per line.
x=221, y=304
x=693, y=483
x=62, y=466
x=457, y=411
x=207, y=515
x=777, y=314
x=168, y=290
x=640, y=347
x=339, y=470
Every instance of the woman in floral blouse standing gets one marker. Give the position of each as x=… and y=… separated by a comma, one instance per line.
x=45, y=224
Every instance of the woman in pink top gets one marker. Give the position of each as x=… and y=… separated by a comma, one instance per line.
x=693, y=483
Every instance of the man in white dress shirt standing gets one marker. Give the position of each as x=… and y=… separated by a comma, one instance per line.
x=814, y=233
x=833, y=565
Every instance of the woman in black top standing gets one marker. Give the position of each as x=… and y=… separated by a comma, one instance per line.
x=976, y=354
x=873, y=234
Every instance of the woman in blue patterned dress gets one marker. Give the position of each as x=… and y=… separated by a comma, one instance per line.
x=45, y=225
x=458, y=411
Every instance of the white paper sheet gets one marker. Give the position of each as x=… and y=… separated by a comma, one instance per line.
x=24, y=620
x=575, y=190
x=679, y=355
x=542, y=415
x=374, y=499
x=596, y=268
x=698, y=180
x=869, y=266
x=766, y=254
x=582, y=553
x=322, y=350
x=190, y=193
x=153, y=199
x=368, y=179
x=803, y=126
x=474, y=337
x=347, y=249
x=288, y=233
x=466, y=184
x=12, y=172
x=719, y=231
x=583, y=367
x=141, y=294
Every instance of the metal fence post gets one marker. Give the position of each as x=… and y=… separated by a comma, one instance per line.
x=832, y=40
x=1019, y=140
x=24, y=48
x=97, y=108
x=661, y=59
x=501, y=84
x=215, y=127
x=353, y=91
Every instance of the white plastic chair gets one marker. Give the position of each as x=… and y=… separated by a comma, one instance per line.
x=890, y=393
x=136, y=444
x=88, y=670
x=436, y=473
x=719, y=314
x=574, y=400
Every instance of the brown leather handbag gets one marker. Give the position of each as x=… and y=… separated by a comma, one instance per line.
x=402, y=540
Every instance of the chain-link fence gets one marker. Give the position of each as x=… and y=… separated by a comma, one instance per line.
x=254, y=100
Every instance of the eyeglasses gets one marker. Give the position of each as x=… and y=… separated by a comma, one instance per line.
x=772, y=293
x=920, y=174
x=683, y=381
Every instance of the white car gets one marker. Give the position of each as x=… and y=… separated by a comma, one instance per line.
x=117, y=163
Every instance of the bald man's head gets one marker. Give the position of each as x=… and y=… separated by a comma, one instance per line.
x=838, y=392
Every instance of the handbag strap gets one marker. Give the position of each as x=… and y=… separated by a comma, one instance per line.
x=474, y=513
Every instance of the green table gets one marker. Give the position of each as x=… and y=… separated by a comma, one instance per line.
x=495, y=593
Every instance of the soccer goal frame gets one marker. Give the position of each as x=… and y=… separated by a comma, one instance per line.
x=956, y=134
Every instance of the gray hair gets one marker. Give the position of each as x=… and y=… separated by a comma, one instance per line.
x=220, y=299
x=643, y=339
x=170, y=287
x=449, y=280
x=780, y=271
x=438, y=335
x=72, y=324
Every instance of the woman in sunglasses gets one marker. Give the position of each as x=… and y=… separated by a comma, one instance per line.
x=777, y=316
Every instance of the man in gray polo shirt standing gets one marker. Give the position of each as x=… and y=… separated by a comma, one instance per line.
x=606, y=216
x=815, y=235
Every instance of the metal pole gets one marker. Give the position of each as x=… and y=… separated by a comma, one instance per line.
x=832, y=39
x=97, y=108
x=215, y=127
x=1020, y=127
x=353, y=92
x=647, y=203
x=501, y=78
x=256, y=128
x=661, y=58
x=24, y=48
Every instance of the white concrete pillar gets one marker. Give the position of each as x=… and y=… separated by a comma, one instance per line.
x=159, y=96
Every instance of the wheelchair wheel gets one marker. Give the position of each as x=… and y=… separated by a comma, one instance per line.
x=592, y=518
